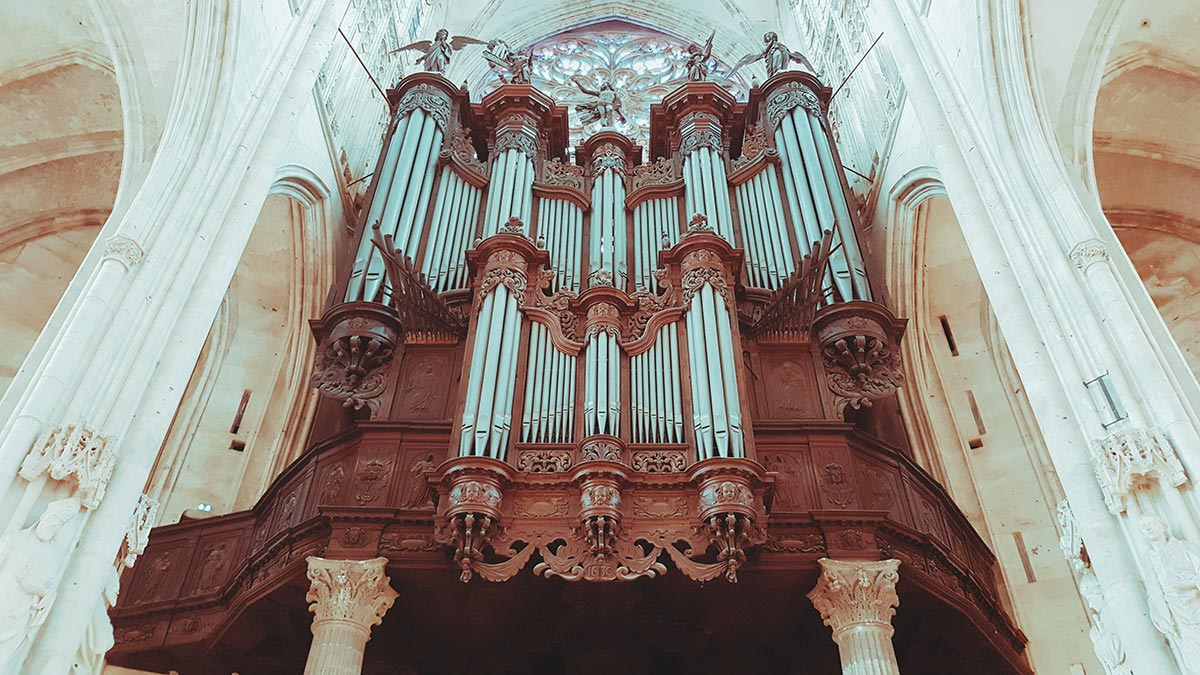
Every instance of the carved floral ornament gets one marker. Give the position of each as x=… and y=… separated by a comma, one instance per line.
x=788, y=96
x=559, y=173
x=861, y=362
x=608, y=156
x=700, y=130
x=600, y=449
x=137, y=536
x=703, y=266
x=505, y=267
x=462, y=148
x=123, y=250
x=429, y=98
x=76, y=453
x=1088, y=253
x=659, y=172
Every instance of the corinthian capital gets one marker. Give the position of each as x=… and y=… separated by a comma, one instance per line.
x=355, y=591
x=856, y=593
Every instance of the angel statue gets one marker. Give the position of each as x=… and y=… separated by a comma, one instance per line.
x=513, y=67
x=697, y=61
x=605, y=106
x=437, y=52
x=777, y=56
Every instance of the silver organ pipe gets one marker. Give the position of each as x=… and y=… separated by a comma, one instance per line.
x=655, y=221
x=549, y=391
x=716, y=404
x=510, y=193
x=487, y=411
x=602, y=384
x=657, y=400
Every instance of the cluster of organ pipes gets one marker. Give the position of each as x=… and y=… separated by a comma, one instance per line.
x=510, y=192
x=401, y=199
x=655, y=227
x=816, y=196
x=706, y=190
x=785, y=195
x=487, y=406
x=560, y=224
x=716, y=405
x=602, y=385
x=456, y=210
x=657, y=402
x=608, y=241
x=549, y=415
x=769, y=251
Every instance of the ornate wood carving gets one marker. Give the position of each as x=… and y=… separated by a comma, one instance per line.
x=860, y=345
x=357, y=342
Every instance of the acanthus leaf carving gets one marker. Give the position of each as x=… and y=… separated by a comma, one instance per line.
x=850, y=594
x=428, y=98
x=557, y=172
x=659, y=172
x=789, y=96
x=355, y=591
x=659, y=461
x=544, y=461
x=137, y=535
x=1130, y=460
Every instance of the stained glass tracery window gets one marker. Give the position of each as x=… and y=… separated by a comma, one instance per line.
x=643, y=64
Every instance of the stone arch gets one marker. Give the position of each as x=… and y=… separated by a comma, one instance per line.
x=58, y=180
x=280, y=283
x=967, y=419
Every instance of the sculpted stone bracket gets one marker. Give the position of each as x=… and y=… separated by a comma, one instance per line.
x=618, y=528
x=357, y=341
x=859, y=344
x=1131, y=460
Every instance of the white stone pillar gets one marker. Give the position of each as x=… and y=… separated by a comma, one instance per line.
x=348, y=597
x=168, y=265
x=1019, y=216
x=857, y=599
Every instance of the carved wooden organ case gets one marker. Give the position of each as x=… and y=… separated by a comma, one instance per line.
x=600, y=370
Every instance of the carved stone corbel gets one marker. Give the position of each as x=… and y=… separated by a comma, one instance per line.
x=77, y=453
x=859, y=344
x=1130, y=460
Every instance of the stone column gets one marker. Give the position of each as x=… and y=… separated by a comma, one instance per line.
x=857, y=599
x=348, y=597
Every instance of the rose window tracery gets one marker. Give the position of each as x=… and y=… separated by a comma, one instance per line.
x=643, y=65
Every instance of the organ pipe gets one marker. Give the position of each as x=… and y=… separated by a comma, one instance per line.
x=706, y=189
x=608, y=232
x=768, y=247
x=487, y=408
x=510, y=193
x=655, y=221
x=454, y=215
x=560, y=222
x=400, y=202
x=657, y=401
x=549, y=414
x=602, y=384
x=717, y=415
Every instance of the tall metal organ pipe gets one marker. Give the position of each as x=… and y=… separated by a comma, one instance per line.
x=549, y=414
x=657, y=401
x=561, y=223
x=608, y=250
x=655, y=221
x=401, y=199
x=717, y=413
x=814, y=189
x=487, y=408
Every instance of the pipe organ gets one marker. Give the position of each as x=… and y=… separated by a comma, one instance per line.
x=601, y=368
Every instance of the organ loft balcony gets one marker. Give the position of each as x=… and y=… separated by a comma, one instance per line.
x=587, y=400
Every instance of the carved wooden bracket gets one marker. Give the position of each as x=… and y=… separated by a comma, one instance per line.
x=356, y=343
x=860, y=347
x=705, y=520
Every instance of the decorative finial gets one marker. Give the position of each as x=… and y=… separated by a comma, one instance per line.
x=513, y=226
x=699, y=223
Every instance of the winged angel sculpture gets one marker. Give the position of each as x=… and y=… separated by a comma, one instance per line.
x=512, y=66
x=604, y=107
x=777, y=56
x=437, y=52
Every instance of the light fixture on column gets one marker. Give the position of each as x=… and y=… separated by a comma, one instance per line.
x=1106, y=400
